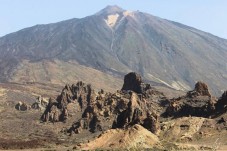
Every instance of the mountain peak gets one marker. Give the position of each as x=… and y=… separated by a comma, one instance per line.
x=110, y=9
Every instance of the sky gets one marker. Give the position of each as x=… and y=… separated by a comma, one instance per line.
x=206, y=15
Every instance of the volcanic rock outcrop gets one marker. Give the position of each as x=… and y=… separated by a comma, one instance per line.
x=57, y=110
x=22, y=106
x=198, y=102
x=137, y=112
x=133, y=82
x=40, y=103
x=137, y=105
x=201, y=89
x=134, y=104
x=221, y=109
x=221, y=105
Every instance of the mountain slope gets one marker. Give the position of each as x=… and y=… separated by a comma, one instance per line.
x=115, y=42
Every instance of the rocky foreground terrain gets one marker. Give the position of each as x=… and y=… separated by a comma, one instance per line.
x=136, y=117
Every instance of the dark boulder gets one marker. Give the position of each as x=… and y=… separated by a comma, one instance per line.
x=132, y=81
x=22, y=106
x=221, y=105
x=201, y=89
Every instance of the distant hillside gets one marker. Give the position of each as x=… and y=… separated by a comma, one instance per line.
x=113, y=42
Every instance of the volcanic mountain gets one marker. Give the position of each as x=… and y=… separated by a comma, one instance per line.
x=109, y=44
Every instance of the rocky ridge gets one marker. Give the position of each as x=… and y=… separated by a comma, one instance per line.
x=198, y=102
x=102, y=111
x=138, y=105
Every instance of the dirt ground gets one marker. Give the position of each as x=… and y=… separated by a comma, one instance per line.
x=23, y=129
x=222, y=148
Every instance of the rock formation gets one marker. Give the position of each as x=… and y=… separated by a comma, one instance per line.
x=201, y=89
x=22, y=106
x=133, y=101
x=137, y=112
x=121, y=109
x=99, y=113
x=198, y=102
x=79, y=93
x=133, y=82
x=40, y=103
x=222, y=102
x=221, y=105
x=138, y=105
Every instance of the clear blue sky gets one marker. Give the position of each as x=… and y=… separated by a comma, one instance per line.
x=206, y=15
